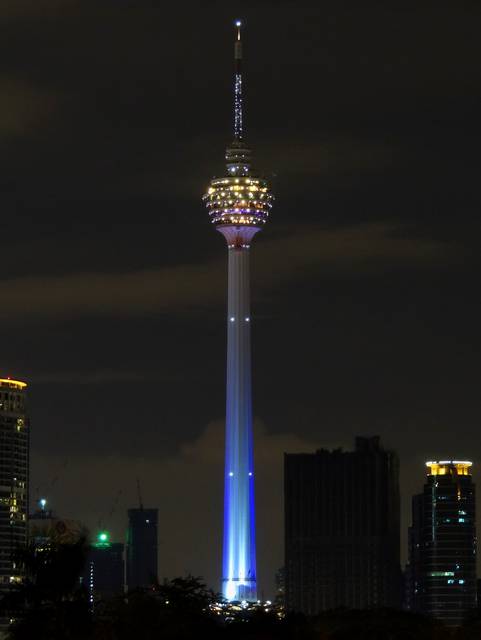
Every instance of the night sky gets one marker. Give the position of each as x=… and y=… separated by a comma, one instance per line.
x=114, y=116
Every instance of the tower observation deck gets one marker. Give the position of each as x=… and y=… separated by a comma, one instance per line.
x=239, y=204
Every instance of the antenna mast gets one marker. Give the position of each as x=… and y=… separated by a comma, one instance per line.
x=238, y=124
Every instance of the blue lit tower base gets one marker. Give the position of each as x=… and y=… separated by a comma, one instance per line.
x=239, y=561
x=239, y=206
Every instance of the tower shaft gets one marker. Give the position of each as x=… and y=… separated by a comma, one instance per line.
x=239, y=556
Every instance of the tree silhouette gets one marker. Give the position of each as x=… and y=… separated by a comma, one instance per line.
x=380, y=624
x=50, y=604
x=178, y=609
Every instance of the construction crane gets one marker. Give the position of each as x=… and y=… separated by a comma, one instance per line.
x=139, y=494
x=112, y=510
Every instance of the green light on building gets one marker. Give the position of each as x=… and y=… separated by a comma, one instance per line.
x=103, y=539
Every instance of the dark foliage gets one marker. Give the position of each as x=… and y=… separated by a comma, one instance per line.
x=50, y=604
x=382, y=624
x=175, y=610
x=471, y=630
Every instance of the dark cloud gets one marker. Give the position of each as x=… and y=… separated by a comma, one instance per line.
x=24, y=107
x=42, y=8
x=87, y=378
x=351, y=251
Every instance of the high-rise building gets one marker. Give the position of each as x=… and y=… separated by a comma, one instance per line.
x=412, y=573
x=103, y=575
x=442, y=544
x=239, y=204
x=45, y=528
x=142, y=555
x=342, y=529
x=14, y=473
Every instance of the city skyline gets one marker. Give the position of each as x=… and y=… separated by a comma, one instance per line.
x=113, y=283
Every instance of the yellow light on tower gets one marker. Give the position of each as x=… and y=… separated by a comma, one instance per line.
x=446, y=467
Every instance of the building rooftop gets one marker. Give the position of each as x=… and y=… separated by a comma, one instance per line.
x=449, y=467
x=12, y=384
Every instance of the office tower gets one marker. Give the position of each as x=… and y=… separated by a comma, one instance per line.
x=238, y=204
x=14, y=473
x=342, y=528
x=280, y=581
x=45, y=528
x=442, y=550
x=142, y=548
x=103, y=575
x=412, y=576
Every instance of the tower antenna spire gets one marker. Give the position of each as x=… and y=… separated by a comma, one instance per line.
x=238, y=116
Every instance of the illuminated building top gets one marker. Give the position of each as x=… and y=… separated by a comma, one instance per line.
x=449, y=467
x=12, y=384
x=239, y=198
x=103, y=539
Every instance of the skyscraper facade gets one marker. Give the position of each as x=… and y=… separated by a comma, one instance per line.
x=14, y=475
x=142, y=546
x=441, y=572
x=342, y=519
x=412, y=573
x=238, y=204
x=103, y=575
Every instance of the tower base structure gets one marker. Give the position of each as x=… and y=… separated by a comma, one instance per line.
x=239, y=590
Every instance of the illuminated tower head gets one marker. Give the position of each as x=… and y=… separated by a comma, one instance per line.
x=239, y=203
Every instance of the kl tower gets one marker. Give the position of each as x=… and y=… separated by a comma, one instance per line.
x=239, y=206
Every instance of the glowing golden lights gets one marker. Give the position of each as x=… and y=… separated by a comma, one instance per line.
x=12, y=384
x=242, y=201
x=449, y=467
